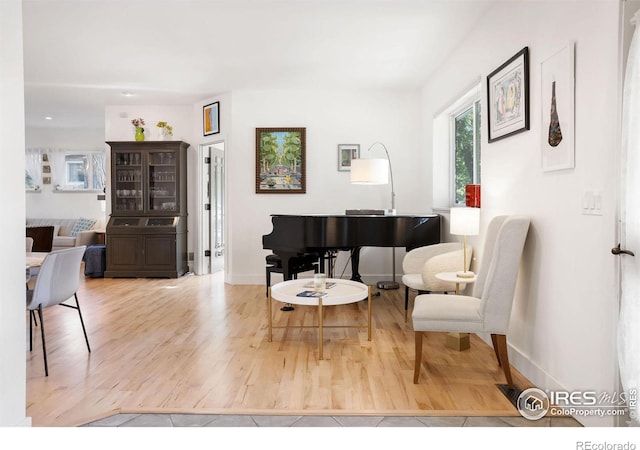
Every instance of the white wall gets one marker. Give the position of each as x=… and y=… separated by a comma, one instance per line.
x=563, y=322
x=12, y=301
x=195, y=182
x=330, y=118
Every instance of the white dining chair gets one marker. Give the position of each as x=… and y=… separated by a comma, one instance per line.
x=57, y=281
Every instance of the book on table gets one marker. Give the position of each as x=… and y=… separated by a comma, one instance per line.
x=311, y=294
x=330, y=284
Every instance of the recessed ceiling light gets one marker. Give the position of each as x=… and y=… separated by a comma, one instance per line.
x=48, y=118
x=128, y=94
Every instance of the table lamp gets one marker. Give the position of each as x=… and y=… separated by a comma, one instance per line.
x=465, y=222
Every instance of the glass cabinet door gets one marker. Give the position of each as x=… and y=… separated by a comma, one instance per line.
x=128, y=182
x=162, y=182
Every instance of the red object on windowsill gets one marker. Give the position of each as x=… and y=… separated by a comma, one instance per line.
x=472, y=192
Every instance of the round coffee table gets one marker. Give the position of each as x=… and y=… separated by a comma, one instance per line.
x=338, y=292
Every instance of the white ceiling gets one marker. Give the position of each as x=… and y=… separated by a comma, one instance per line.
x=80, y=55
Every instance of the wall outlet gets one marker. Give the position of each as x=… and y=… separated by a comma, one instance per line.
x=190, y=256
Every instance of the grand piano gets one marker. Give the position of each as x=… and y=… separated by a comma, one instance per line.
x=295, y=235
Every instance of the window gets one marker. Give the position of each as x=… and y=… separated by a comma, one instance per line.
x=465, y=150
x=76, y=171
x=65, y=169
x=456, y=149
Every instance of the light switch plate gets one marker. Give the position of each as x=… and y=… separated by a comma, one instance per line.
x=592, y=203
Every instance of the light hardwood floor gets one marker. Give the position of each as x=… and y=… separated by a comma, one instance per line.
x=197, y=345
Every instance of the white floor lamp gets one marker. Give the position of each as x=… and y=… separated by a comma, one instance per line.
x=377, y=171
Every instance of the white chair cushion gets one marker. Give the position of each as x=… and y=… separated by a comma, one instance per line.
x=413, y=281
x=450, y=313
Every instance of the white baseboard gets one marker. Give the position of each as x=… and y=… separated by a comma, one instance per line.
x=543, y=380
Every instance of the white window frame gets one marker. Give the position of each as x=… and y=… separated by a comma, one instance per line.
x=444, y=146
x=469, y=103
x=79, y=185
x=62, y=171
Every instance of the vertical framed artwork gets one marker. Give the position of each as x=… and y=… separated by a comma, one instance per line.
x=508, y=97
x=280, y=160
x=557, y=79
x=347, y=152
x=211, y=118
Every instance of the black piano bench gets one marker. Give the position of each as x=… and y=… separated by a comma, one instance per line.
x=297, y=264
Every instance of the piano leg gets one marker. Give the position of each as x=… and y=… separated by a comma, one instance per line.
x=355, y=263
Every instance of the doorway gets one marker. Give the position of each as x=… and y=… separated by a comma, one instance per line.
x=212, y=224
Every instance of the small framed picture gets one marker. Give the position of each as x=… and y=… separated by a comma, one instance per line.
x=46, y=169
x=45, y=157
x=211, y=119
x=347, y=152
x=46, y=180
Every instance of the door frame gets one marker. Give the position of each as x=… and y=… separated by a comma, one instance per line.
x=199, y=257
x=626, y=31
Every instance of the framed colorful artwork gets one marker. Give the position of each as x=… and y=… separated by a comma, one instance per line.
x=280, y=161
x=508, y=97
x=211, y=119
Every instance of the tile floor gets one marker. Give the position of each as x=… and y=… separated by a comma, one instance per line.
x=239, y=420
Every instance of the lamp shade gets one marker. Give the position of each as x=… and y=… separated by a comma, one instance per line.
x=465, y=221
x=370, y=171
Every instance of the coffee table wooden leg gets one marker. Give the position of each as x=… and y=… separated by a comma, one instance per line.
x=320, y=327
x=369, y=313
x=269, y=320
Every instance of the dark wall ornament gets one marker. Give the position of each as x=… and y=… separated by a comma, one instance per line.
x=557, y=87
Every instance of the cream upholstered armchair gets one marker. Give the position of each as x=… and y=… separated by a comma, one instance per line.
x=488, y=309
x=421, y=265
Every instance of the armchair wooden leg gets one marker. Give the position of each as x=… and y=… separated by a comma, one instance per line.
x=495, y=348
x=418, y=358
x=501, y=341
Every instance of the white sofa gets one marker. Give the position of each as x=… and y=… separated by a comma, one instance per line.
x=62, y=232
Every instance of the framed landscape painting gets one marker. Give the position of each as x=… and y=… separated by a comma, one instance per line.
x=280, y=160
x=508, y=97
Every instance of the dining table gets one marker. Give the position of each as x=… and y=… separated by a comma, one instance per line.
x=34, y=261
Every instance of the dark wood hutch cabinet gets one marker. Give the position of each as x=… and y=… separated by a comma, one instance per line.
x=147, y=229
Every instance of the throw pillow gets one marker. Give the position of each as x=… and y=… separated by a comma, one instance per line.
x=82, y=224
